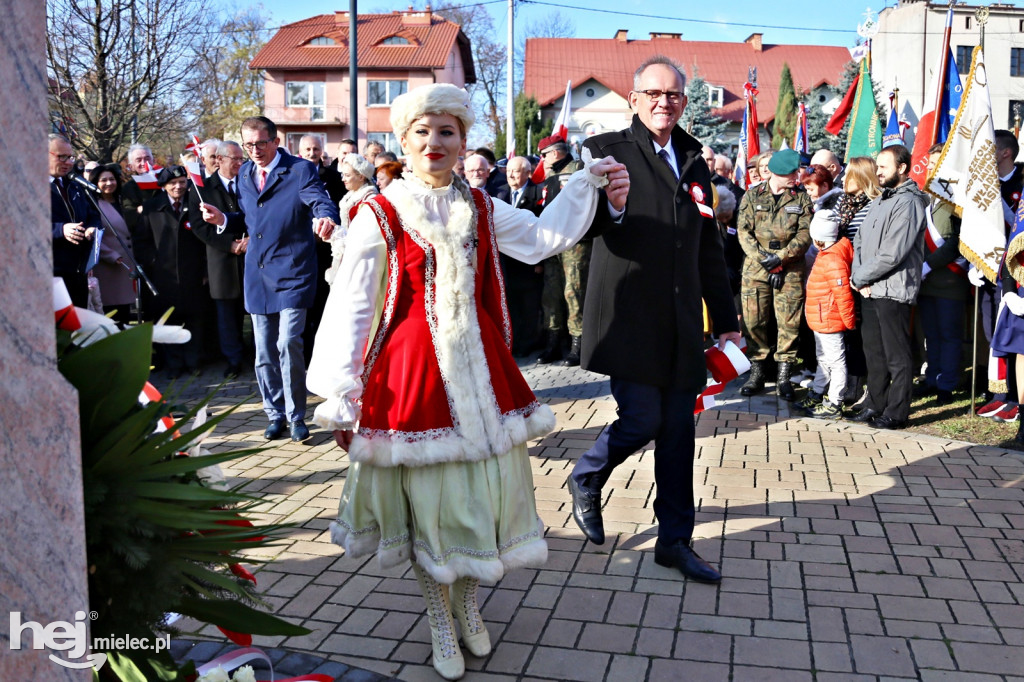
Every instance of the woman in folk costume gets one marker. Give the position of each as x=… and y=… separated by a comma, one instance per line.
x=357, y=174
x=413, y=358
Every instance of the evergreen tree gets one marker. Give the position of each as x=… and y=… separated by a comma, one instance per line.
x=784, y=125
x=818, y=137
x=697, y=118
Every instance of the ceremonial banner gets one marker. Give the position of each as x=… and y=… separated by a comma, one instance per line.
x=800, y=141
x=966, y=175
x=865, y=137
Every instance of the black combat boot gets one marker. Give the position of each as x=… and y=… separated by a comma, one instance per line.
x=573, y=358
x=552, y=350
x=783, y=388
x=755, y=382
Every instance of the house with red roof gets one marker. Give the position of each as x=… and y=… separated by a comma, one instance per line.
x=306, y=79
x=601, y=72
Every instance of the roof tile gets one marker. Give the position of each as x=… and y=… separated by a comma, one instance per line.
x=550, y=62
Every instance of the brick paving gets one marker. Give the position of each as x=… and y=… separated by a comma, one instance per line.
x=848, y=553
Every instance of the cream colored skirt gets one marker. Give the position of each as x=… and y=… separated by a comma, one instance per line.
x=456, y=519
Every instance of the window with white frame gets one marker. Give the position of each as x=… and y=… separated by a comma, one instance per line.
x=382, y=93
x=307, y=94
x=389, y=141
x=322, y=41
x=716, y=96
x=395, y=40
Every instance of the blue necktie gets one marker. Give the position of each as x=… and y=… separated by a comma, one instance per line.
x=664, y=157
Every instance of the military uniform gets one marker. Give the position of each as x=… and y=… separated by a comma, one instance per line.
x=779, y=225
x=565, y=275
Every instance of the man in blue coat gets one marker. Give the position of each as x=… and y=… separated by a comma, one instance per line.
x=284, y=206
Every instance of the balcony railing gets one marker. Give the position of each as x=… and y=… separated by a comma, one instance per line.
x=328, y=115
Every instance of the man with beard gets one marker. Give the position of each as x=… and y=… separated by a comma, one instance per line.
x=888, y=254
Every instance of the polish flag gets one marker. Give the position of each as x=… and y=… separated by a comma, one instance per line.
x=194, y=172
x=562, y=122
x=943, y=99
x=147, y=180
x=195, y=147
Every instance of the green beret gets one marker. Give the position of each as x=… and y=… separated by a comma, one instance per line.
x=784, y=162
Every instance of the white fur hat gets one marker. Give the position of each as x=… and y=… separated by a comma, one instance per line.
x=438, y=98
x=360, y=165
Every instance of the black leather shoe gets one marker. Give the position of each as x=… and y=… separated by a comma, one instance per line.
x=943, y=397
x=575, y=349
x=233, y=371
x=553, y=349
x=864, y=416
x=299, y=431
x=883, y=422
x=586, y=510
x=275, y=430
x=689, y=563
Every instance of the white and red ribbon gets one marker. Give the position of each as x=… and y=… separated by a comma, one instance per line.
x=724, y=365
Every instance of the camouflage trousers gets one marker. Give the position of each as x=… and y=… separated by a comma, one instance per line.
x=552, y=300
x=576, y=267
x=761, y=303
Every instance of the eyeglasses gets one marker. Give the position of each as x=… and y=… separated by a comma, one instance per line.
x=63, y=158
x=236, y=159
x=259, y=144
x=674, y=96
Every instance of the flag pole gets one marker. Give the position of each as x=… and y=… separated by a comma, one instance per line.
x=982, y=16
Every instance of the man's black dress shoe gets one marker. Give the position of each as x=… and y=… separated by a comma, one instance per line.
x=299, y=431
x=864, y=416
x=586, y=511
x=233, y=371
x=689, y=563
x=275, y=430
x=883, y=422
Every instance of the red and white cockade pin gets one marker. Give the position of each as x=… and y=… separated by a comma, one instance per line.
x=697, y=194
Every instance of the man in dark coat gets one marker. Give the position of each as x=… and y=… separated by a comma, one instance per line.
x=284, y=207
x=643, y=319
x=523, y=281
x=140, y=160
x=175, y=260
x=73, y=222
x=225, y=253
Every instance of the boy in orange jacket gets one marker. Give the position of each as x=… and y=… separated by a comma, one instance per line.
x=829, y=310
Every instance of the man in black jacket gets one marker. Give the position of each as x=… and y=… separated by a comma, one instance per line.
x=73, y=222
x=643, y=319
x=225, y=253
x=523, y=281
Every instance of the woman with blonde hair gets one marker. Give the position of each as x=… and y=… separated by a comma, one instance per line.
x=413, y=357
x=860, y=187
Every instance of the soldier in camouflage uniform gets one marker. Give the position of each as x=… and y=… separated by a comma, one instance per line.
x=565, y=275
x=774, y=231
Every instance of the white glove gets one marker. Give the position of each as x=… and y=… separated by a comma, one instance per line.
x=975, y=276
x=925, y=269
x=1015, y=303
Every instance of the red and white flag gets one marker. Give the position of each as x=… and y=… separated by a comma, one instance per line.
x=147, y=180
x=194, y=172
x=195, y=147
x=562, y=122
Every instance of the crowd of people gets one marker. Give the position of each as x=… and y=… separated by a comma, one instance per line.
x=407, y=286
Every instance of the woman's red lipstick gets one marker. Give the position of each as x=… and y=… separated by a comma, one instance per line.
x=434, y=156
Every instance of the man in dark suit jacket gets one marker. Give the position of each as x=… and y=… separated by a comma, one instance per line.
x=284, y=207
x=225, y=253
x=643, y=320
x=175, y=260
x=140, y=158
x=523, y=282
x=73, y=221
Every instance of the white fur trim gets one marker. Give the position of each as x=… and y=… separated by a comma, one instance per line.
x=437, y=98
x=479, y=429
x=420, y=448
x=527, y=551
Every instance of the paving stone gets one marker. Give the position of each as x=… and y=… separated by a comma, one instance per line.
x=887, y=656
